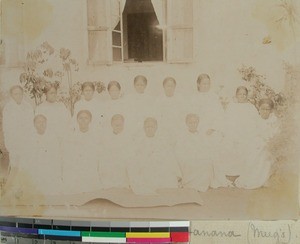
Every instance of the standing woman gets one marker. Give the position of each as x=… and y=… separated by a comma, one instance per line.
x=58, y=117
x=239, y=146
x=17, y=123
x=17, y=128
x=171, y=110
x=207, y=105
x=260, y=170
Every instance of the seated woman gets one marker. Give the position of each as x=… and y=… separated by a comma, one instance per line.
x=259, y=171
x=154, y=165
x=115, y=156
x=89, y=102
x=58, y=117
x=207, y=105
x=194, y=156
x=239, y=144
x=45, y=160
x=82, y=157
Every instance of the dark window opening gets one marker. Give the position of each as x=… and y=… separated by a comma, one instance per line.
x=143, y=41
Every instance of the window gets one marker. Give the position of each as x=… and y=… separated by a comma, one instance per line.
x=140, y=31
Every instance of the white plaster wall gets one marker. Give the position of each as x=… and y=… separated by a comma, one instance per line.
x=226, y=35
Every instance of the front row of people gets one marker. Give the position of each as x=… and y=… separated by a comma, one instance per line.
x=88, y=162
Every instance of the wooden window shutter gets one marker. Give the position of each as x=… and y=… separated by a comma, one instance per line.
x=180, y=31
x=99, y=32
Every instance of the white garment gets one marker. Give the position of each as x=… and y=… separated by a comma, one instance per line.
x=171, y=113
x=239, y=146
x=58, y=117
x=112, y=107
x=141, y=106
x=208, y=106
x=259, y=171
x=116, y=152
x=153, y=167
x=268, y=127
x=43, y=164
x=195, y=158
x=17, y=128
x=81, y=162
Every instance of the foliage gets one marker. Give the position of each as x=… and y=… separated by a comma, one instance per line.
x=289, y=14
x=259, y=90
x=32, y=81
x=75, y=91
x=38, y=71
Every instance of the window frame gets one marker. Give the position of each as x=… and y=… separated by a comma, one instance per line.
x=167, y=35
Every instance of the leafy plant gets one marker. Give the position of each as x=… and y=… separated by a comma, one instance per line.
x=32, y=79
x=37, y=74
x=259, y=90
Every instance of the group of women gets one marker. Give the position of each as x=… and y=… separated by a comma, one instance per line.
x=138, y=141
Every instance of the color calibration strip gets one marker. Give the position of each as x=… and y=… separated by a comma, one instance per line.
x=97, y=231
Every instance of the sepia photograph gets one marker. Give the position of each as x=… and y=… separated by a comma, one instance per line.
x=150, y=109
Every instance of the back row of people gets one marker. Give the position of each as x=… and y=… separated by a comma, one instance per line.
x=198, y=152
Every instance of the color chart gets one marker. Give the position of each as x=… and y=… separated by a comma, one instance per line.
x=21, y=230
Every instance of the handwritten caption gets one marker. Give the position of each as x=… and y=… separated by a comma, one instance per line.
x=283, y=232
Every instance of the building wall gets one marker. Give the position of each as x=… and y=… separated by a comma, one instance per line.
x=227, y=34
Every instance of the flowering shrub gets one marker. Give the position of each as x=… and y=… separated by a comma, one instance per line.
x=259, y=90
x=35, y=76
x=32, y=79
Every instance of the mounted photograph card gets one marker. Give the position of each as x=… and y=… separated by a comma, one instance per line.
x=139, y=109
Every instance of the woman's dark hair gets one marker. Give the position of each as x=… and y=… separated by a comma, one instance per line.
x=113, y=83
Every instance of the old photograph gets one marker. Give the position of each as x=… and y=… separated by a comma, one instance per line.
x=161, y=109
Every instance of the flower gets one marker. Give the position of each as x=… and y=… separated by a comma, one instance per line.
x=64, y=53
x=30, y=65
x=67, y=66
x=59, y=74
x=48, y=48
x=48, y=73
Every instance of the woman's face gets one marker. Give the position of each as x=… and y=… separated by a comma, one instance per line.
x=204, y=85
x=150, y=128
x=84, y=121
x=265, y=110
x=51, y=95
x=192, y=123
x=117, y=125
x=17, y=95
x=88, y=93
x=114, y=92
x=241, y=96
x=140, y=86
x=169, y=88
x=40, y=124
